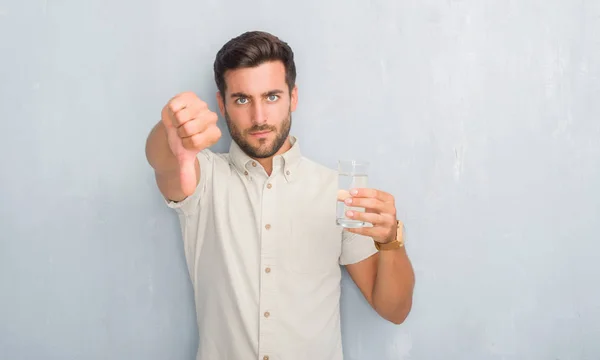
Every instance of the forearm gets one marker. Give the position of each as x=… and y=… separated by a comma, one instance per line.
x=166, y=167
x=393, y=289
x=158, y=152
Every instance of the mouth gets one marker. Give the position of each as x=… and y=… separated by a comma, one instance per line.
x=260, y=134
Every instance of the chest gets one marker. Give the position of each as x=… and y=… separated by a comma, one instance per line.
x=273, y=220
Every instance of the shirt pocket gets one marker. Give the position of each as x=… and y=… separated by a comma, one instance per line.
x=313, y=246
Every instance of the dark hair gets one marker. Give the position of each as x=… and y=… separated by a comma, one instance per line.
x=252, y=49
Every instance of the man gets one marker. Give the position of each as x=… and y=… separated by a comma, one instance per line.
x=261, y=243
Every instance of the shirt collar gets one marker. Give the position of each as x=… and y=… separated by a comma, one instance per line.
x=286, y=163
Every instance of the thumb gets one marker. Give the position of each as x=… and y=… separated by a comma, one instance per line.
x=187, y=175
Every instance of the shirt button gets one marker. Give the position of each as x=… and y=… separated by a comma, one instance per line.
x=267, y=314
x=266, y=357
x=268, y=226
x=269, y=186
x=254, y=164
x=287, y=172
x=268, y=270
x=245, y=173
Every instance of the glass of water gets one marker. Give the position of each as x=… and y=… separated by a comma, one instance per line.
x=351, y=174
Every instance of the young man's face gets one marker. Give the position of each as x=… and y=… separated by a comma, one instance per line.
x=257, y=106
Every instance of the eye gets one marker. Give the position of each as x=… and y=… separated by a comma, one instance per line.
x=241, y=101
x=272, y=97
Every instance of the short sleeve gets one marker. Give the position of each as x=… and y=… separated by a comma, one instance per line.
x=356, y=248
x=191, y=204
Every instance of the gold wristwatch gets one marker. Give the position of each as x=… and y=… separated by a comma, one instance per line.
x=397, y=243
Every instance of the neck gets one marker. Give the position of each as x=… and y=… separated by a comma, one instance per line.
x=267, y=163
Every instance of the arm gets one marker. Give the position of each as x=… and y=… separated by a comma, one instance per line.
x=166, y=166
x=186, y=128
x=386, y=279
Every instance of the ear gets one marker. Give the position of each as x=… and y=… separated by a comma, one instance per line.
x=221, y=103
x=294, y=98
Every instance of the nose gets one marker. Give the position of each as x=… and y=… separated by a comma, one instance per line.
x=259, y=113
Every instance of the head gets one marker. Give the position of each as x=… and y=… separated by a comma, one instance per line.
x=255, y=76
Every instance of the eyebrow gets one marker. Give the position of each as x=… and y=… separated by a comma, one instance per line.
x=268, y=93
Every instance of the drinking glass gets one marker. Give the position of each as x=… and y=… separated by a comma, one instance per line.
x=351, y=174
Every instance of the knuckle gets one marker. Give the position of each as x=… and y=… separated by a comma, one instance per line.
x=213, y=135
x=180, y=117
x=200, y=109
x=184, y=130
x=217, y=132
x=190, y=142
x=207, y=117
x=192, y=98
x=172, y=104
x=188, y=96
x=196, y=139
x=390, y=224
x=200, y=141
x=202, y=116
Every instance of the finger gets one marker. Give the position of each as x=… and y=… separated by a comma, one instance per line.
x=372, y=193
x=202, y=140
x=187, y=176
x=367, y=203
x=373, y=232
x=383, y=220
x=172, y=119
x=177, y=104
x=370, y=217
x=184, y=108
x=182, y=116
x=197, y=125
x=188, y=114
x=186, y=100
x=343, y=195
x=372, y=205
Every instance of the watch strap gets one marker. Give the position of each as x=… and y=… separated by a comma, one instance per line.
x=397, y=243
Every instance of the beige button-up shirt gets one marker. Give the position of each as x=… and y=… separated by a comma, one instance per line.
x=264, y=255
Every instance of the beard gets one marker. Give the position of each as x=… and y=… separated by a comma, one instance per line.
x=264, y=149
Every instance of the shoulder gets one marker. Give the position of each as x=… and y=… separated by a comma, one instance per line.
x=212, y=156
x=320, y=171
x=213, y=163
x=219, y=163
x=316, y=166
